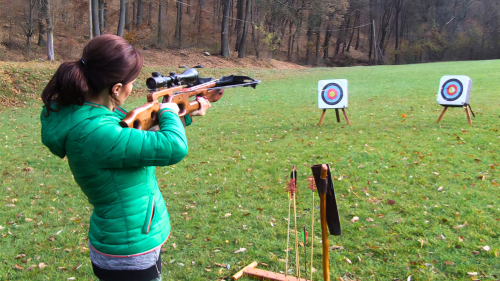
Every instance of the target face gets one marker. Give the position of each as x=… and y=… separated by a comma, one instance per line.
x=332, y=94
x=452, y=90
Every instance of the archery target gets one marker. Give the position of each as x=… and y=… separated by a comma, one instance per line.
x=332, y=93
x=454, y=90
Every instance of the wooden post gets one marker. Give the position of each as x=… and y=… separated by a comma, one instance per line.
x=321, y=119
x=338, y=116
x=468, y=113
x=345, y=116
x=442, y=113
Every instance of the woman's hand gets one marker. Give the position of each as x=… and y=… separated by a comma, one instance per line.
x=171, y=106
x=204, y=106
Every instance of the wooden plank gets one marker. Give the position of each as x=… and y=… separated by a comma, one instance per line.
x=321, y=119
x=268, y=275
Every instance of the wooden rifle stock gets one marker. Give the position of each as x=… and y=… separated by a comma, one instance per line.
x=146, y=116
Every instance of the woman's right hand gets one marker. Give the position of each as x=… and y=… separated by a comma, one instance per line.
x=171, y=106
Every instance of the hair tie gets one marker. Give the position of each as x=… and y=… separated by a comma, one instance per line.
x=83, y=62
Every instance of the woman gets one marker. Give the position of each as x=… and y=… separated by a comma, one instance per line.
x=114, y=166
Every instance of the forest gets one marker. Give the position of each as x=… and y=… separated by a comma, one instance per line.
x=307, y=32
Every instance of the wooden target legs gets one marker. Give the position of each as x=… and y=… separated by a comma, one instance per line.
x=321, y=119
x=345, y=116
x=468, y=113
x=442, y=114
x=337, y=114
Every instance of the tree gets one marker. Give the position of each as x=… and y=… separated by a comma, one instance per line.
x=95, y=18
x=50, y=30
x=160, y=23
x=41, y=26
x=178, y=24
x=28, y=25
x=241, y=47
x=225, y=29
x=121, y=23
x=140, y=10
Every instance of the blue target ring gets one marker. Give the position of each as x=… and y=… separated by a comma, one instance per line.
x=332, y=93
x=452, y=90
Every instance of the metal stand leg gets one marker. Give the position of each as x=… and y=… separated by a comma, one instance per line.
x=338, y=116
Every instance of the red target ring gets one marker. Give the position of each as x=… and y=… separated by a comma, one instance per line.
x=332, y=94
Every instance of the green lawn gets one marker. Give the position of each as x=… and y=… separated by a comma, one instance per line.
x=240, y=157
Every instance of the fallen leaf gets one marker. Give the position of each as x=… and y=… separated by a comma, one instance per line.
x=472, y=273
x=42, y=265
x=449, y=263
x=348, y=260
x=18, y=267
x=485, y=248
x=475, y=252
x=369, y=219
x=354, y=219
x=240, y=250
x=227, y=215
x=220, y=265
x=440, y=188
x=174, y=246
x=391, y=202
x=62, y=268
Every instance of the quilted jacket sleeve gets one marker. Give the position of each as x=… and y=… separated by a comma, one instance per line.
x=107, y=145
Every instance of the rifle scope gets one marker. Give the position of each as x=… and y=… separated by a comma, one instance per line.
x=158, y=80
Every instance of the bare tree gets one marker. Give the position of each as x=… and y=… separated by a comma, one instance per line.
x=241, y=49
x=121, y=22
x=50, y=31
x=95, y=18
x=225, y=29
x=160, y=23
x=140, y=10
x=28, y=25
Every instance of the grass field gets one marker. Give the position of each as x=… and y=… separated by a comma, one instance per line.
x=229, y=192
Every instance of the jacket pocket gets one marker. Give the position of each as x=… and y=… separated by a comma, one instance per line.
x=149, y=215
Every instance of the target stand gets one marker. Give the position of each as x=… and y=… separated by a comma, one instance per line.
x=333, y=94
x=454, y=91
x=467, y=112
x=251, y=270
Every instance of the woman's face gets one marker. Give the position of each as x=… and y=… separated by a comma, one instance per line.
x=123, y=93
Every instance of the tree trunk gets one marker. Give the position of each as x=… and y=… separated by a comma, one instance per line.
x=240, y=6
x=396, y=45
x=344, y=32
x=178, y=24
x=357, y=36
x=140, y=10
x=105, y=19
x=41, y=27
x=309, y=39
x=290, y=42
x=127, y=16
x=225, y=30
x=150, y=12
x=318, y=42
x=134, y=14
x=121, y=22
x=356, y=19
x=326, y=44
x=95, y=18
x=160, y=23
x=200, y=16
x=90, y=20
x=255, y=37
x=241, y=50
x=101, y=16
x=188, y=7
x=370, y=28
x=50, y=31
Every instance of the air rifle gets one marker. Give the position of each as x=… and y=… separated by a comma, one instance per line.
x=179, y=89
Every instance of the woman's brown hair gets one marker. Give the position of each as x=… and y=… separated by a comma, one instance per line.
x=106, y=60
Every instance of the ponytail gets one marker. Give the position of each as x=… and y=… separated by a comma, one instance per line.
x=67, y=86
x=106, y=60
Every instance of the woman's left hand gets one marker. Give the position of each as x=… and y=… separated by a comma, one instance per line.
x=204, y=106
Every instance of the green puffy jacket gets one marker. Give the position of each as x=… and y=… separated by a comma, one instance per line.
x=114, y=167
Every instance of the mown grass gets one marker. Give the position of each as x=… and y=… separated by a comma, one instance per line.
x=240, y=157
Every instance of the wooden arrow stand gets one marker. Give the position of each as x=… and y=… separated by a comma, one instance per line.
x=251, y=270
x=467, y=111
x=338, y=116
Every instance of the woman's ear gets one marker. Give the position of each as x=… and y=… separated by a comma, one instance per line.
x=115, y=90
